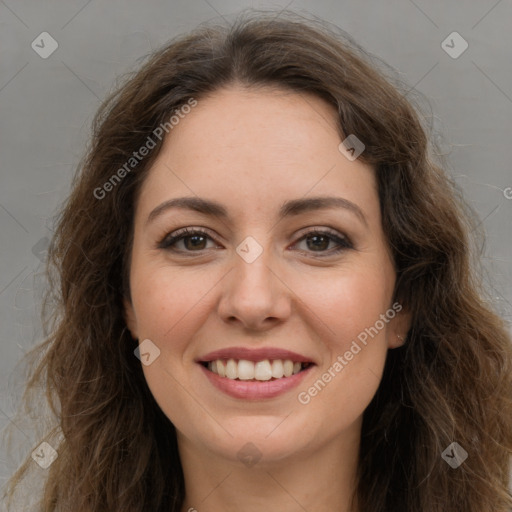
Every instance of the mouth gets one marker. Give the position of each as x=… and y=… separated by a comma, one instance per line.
x=255, y=371
x=255, y=374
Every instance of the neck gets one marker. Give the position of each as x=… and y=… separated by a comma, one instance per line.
x=317, y=481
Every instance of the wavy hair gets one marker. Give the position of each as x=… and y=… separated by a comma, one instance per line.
x=450, y=382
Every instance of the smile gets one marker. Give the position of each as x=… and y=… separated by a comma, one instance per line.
x=246, y=370
x=255, y=373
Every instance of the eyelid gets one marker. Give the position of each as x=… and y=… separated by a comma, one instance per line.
x=325, y=229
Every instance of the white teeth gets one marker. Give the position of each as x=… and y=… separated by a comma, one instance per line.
x=245, y=370
x=249, y=370
x=231, y=369
x=263, y=370
x=288, y=368
x=221, y=368
x=277, y=369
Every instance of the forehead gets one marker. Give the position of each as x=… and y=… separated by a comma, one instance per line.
x=253, y=148
x=258, y=125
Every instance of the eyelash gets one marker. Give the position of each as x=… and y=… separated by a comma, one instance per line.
x=171, y=239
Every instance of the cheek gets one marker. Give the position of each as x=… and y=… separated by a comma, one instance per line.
x=350, y=302
x=167, y=303
x=170, y=306
x=349, y=307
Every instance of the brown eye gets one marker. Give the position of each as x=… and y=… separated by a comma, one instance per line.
x=192, y=240
x=324, y=242
x=318, y=242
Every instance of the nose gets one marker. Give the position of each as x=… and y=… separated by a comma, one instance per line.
x=254, y=296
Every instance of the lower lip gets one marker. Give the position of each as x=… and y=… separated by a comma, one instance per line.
x=255, y=390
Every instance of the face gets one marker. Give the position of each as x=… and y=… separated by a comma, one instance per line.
x=265, y=281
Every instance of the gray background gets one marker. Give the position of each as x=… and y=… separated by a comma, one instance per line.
x=46, y=106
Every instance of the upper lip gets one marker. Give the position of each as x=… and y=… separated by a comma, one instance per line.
x=254, y=354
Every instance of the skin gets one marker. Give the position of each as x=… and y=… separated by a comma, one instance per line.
x=252, y=150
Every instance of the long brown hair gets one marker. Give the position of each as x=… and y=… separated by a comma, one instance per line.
x=450, y=382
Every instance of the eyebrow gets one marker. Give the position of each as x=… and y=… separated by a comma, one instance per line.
x=288, y=209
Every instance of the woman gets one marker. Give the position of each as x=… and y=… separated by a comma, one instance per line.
x=265, y=298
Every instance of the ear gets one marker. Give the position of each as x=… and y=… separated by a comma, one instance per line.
x=398, y=326
x=130, y=319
